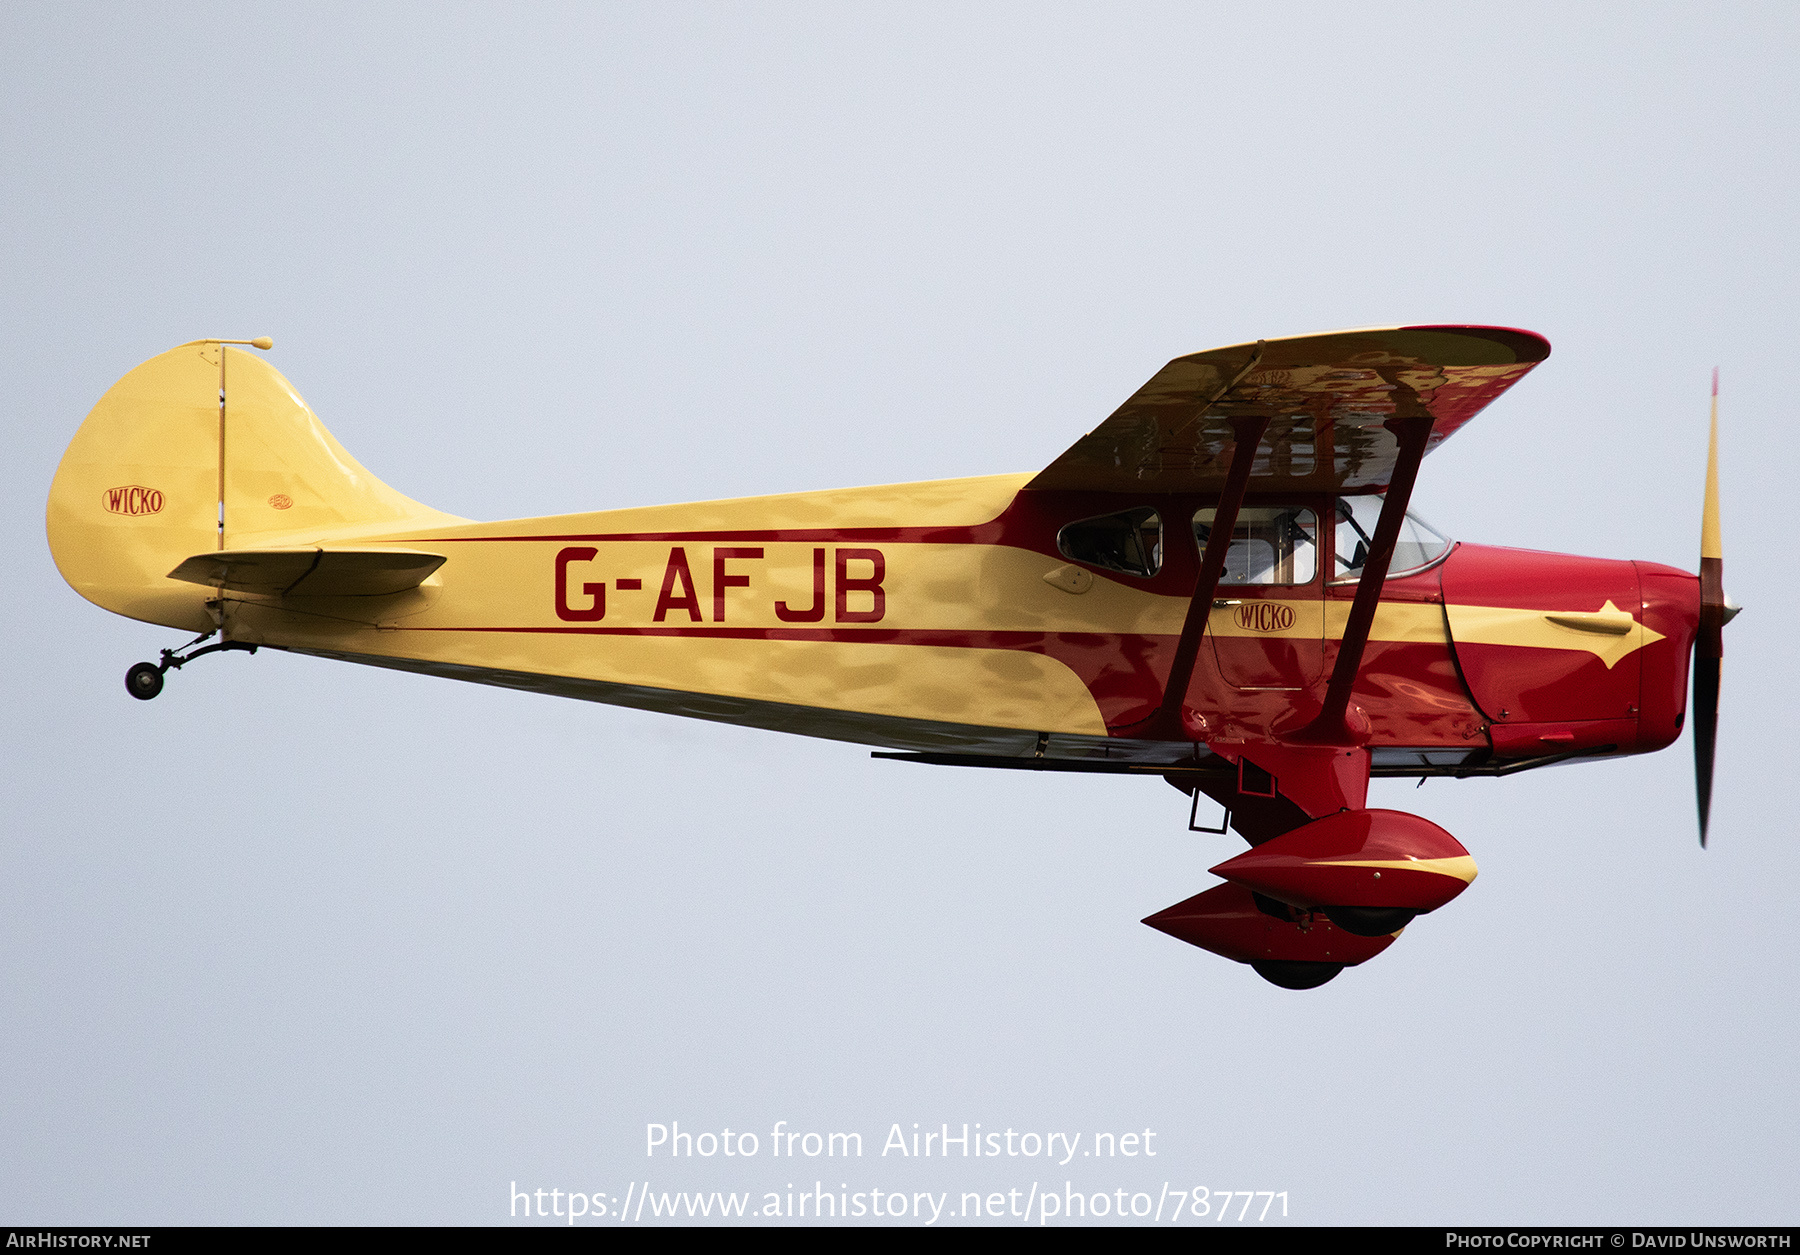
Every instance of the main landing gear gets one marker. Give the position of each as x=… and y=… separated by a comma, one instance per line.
x=145, y=680
x=1296, y=973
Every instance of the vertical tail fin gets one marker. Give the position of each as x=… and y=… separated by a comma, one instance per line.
x=155, y=469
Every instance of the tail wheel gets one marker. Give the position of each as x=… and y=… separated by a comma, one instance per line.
x=1296, y=973
x=144, y=681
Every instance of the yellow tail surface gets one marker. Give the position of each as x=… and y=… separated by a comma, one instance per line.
x=161, y=472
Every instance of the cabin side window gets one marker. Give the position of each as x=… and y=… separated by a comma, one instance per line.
x=1419, y=544
x=1129, y=542
x=1269, y=545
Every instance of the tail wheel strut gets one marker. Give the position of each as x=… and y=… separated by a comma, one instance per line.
x=145, y=680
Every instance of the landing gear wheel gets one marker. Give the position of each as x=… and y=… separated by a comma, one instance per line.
x=1296, y=973
x=1370, y=921
x=144, y=681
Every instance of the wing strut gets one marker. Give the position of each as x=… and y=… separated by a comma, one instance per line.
x=1247, y=434
x=1332, y=727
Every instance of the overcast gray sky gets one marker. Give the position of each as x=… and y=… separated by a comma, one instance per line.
x=305, y=942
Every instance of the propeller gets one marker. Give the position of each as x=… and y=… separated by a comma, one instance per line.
x=1715, y=612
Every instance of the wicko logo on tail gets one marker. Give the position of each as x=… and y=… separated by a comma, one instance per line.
x=133, y=499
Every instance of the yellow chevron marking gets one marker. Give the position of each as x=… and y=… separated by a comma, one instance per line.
x=1462, y=866
x=1614, y=624
x=1537, y=629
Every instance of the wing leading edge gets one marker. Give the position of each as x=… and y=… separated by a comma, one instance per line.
x=1326, y=397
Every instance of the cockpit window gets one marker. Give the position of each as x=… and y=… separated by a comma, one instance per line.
x=1130, y=542
x=1269, y=545
x=1419, y=544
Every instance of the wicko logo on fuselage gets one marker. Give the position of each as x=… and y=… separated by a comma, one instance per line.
x=133, y=499
x=1264, y=616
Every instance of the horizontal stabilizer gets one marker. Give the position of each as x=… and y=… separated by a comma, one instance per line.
x=310, y=572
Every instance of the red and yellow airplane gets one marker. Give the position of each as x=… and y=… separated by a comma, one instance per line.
x=1219, y=585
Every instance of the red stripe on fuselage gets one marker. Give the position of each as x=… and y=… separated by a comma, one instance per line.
x=984, y=534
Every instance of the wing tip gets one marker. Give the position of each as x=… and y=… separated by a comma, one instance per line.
x=1527, y=346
